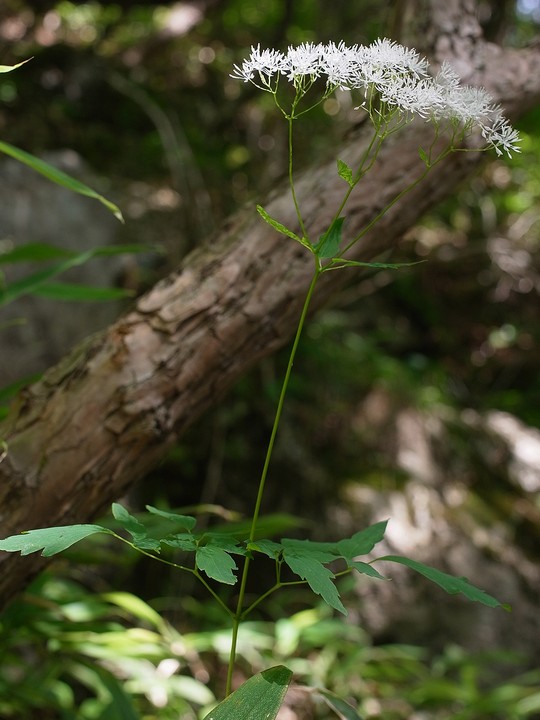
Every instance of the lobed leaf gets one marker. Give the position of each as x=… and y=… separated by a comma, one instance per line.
x=451, y=584
x=216, y=563
x=50, y=540
x=363, y=542
x=259, y=698
x=318, y=577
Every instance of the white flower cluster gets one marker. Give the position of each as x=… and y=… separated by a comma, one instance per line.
x=398, y=74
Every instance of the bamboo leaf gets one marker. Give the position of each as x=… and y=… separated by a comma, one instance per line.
x=58, y=177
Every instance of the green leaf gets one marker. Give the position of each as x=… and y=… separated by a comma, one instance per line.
x=216, y=563
x=345, y=172
x=281, y=228
x=451, y=584
x=424, y=156
x=79, y=293
x=257, y=699
x=58, y=177
x=329, y=242
x=30, y=283
x=135, y=528
x=182, y=541
x=340, y=707
x=185, y=521
x=50, y=540
x=343, y=262
x=306, y=560
x=267, y=547
x=366, y=569
x=363, y=542
x=33, y=252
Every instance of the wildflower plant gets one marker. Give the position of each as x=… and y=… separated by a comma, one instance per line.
x=394, y=87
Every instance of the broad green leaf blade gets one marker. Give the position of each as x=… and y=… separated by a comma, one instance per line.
x=328, y=245
x=9, y=68
x=338, y=705
x=58, y=177
x=74, y=292
x=345, y=172
x=50, y=540
x=363, y=542
x=257, y=699
x=216, y=563
x=185, y=521
x=223, y=541
x=318, y=577
x=321, y=551
x=451, y=584
x=33, y=252
x=281, y=228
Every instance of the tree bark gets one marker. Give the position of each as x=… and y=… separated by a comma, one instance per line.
x=109, y=411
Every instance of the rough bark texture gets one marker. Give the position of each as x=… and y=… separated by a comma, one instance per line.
x=107, y=414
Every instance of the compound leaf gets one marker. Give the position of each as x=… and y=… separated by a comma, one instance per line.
x=135, y=528
x=50, y=540
x=307, y=563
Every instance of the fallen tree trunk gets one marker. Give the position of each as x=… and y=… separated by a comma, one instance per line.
x=107, y=413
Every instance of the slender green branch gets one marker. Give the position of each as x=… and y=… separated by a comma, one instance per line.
x=262, y=482
x=290, y=121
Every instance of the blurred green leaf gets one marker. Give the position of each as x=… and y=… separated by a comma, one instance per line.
x=340, y=707
x=73, y=292
x=58, y=177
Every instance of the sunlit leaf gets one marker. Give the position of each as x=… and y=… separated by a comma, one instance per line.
x=50, y=540
x=257, y=699
x=9, y=68
x=345, y=172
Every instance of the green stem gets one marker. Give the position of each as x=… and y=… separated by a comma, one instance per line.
x=290, y=121
x=262, y=482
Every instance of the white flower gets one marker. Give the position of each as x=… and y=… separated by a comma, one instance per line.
x=398, y=75
x=261, y=65
x=303, y=61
